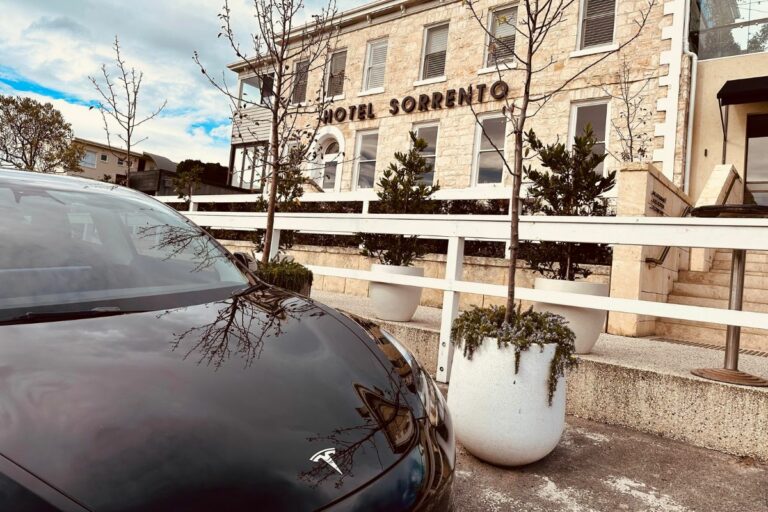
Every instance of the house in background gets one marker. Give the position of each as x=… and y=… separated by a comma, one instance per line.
x=100, y=160
x=151, y=173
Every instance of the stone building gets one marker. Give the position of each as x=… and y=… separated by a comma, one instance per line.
x=427, y=65
x=699, y=68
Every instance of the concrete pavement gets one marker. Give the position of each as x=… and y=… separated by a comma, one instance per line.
x=598, y=467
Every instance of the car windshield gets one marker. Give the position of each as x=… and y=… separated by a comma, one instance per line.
x=72, y=245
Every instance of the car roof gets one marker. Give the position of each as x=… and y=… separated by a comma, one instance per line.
x=62, y=180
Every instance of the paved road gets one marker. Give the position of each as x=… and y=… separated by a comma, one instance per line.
x=603, y=468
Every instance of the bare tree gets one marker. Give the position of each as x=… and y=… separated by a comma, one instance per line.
x=534, y=21
x=633, y=116
x=282, y=54
x=120, y=103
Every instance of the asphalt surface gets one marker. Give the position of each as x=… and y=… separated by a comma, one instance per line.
x=598, y=467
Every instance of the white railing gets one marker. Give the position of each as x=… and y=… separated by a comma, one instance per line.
x=750, y=234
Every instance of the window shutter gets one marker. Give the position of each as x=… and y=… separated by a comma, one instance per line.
x=434, y=52
x=336, y=75
x=300, y=82
x=599, y=17
x=502, y=47
x=377, y=59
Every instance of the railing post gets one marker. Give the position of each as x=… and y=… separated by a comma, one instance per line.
x=366, y=205
x=275, y=247
x=192, y=206
x=453, y=270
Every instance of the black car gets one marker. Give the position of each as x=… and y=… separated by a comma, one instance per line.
x=142, y=367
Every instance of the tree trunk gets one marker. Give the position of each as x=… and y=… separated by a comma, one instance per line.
x=272, y=203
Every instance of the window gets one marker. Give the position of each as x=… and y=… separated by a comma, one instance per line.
x=104, y=158
x=597, y=17
x=331, y=156
x=490, y=150
x=120, y=161
x=338, y=63
x=435, y=46
x=376, y=60
x=721, y=28
x=300, y=77
x=255, y=91
x=595, y=115
x=429, y=134
x=501, y=47
x=367, y=145
x=89, y=159
x=248, y=167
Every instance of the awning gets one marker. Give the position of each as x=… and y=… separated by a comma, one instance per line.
x=746, y=90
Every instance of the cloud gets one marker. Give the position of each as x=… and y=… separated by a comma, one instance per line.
x=49, y=48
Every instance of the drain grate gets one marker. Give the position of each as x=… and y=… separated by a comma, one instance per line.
x=748, y=352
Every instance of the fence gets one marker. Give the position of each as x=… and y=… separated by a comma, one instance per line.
x=726, y=233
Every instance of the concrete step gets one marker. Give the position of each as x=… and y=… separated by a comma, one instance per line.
x=715, y=303
x=709, y=334
x=633, y=382
x=752, y=266
x=723, y=278
x=712, y=291
x=752, y=256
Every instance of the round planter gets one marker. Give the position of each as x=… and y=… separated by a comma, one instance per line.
x=586, y=324
x=504, y=417
x=395, y=302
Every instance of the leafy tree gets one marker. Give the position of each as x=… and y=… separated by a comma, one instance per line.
x=569, y=186
x=34, y=136
x=401, y=190
x=186, y=180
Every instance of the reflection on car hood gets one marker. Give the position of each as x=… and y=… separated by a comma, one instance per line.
x=206, y=407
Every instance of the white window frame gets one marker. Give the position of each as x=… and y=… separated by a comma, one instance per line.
x=368, y=50
x=103, y=157
x=338, y=159
x=595, y=49
x=358, y=146
x=476, y=149
x=511, y=64
x=422, y=80
x=430, y=124
x=95, y=159
x=575, y=105
x=328, y=76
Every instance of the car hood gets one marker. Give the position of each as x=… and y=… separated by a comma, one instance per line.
x=206, y=407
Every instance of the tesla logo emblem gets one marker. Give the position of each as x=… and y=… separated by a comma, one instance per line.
x=325, y=456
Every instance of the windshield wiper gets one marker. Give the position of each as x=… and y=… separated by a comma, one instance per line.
x=31, y=317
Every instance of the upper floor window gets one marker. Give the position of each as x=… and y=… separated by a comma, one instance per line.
x=490, y=150
x=104, y=158
x=120, y=161
x=375, y=63
x=597, y=20
x=338, y=64
x=501, y=47
x=256, y=90
x=435, y=48
x=595, y=115
x=367, y=147
x=300, y=78
x=429, y=134
x=720, y=28
x=89, y=159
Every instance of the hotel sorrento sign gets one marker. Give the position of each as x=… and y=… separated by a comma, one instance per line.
x=421, y=103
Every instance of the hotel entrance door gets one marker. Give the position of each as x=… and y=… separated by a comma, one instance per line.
x=756, y=174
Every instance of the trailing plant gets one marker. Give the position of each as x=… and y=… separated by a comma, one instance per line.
x=569, y=185
x=401, y=190
x=526, y=329
x=285, y=274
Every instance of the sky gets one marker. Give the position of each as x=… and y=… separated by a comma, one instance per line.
x=48, y=48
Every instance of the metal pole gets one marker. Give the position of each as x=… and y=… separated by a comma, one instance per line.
x=735, y=300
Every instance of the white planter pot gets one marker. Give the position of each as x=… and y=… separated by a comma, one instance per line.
x=502, y=417
x=586, y=324
x=395, y=302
